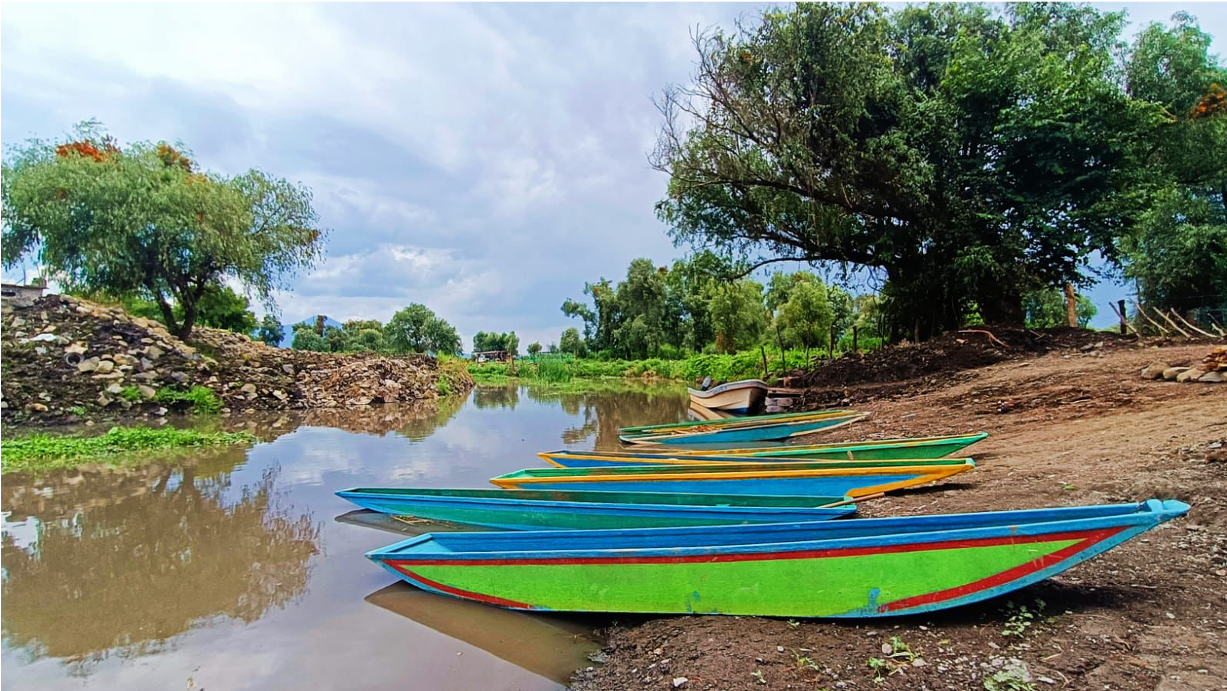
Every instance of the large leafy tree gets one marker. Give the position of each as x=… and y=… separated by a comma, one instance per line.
x=418, y=329
x=738, y=315
x=270, y=330
x=806, y=316
x=144, y=220
x=1177, y=254
x=967, y=156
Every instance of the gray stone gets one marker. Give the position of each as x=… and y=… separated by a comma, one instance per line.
x=104, y=400
x=1171, y=372
x=114, y=389
x=1191, y=374
x=1211, y=378
x=1154, y=370
x=88, y=364
x=287, y=368
x=159, y=411
x=153, y=352
x=178, y=377
x=248, y=388
x=105, y=366
x=147, y=391
x=36, y=407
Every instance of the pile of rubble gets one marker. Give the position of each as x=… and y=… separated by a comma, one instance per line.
x=1211, y=370
x=67, y=358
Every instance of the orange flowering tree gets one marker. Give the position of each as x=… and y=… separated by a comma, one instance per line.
x=143, y=220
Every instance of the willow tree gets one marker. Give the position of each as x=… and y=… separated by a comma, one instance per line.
x=968, y=156
x=145, y=220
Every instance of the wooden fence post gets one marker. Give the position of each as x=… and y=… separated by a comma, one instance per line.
x=1124, y=323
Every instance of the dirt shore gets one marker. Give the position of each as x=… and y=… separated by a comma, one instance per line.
x=1071, y=426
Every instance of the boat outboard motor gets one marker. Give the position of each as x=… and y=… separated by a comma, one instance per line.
x=706, y=383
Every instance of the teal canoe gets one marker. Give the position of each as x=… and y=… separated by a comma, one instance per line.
x=846, y=569
x=870, y=450
x=716, y=432
x=513, y=509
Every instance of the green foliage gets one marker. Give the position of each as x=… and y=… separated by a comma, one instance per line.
x=143, y=221
x=305, y=338
x=534, y=348
x=1012, y=679
x=44, y=451
x=485, y=342
x=570, y=342
x=270, y=330
x=442, y=387
x=417, y=329
x=1021, y=618
x=737, y=314
x=130, y=394
x=806, y=317
x=200, y=399
x=1045, y=309
x=933, y=144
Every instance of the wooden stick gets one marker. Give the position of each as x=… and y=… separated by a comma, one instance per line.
x=1191, y=326
x=1168, y=319
x=853, y=500
x=991, y=337
x=1157, y=325
x=1124, y=323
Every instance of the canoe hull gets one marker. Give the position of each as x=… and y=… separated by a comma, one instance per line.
x=767, y=432
x=923, y=449
x=876, y=575
x=853, y=479
x=739, y=397
x=506, y=513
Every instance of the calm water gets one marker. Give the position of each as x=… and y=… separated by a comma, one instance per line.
x=239, y=568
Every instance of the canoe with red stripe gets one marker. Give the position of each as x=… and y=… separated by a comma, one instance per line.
x=848, y=568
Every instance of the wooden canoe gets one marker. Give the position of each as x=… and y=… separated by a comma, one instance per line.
x=875, y=450
x=824, y=478
x=515, y=509
x=648, y=430
x=718, y=432
x=737, y=397
x=855, y=568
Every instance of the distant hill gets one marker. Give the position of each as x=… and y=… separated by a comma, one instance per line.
x=288, y=339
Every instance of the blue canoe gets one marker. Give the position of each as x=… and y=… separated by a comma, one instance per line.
x=750, y=430
x=845, y=569
x=822, y=478
x=511, y=509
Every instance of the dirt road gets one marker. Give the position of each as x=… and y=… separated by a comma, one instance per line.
x=1068, y=427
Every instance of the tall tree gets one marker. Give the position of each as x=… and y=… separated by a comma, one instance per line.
x=270, y=331
x=418, y=329
x=806, y=316
x=738, y=315
x=144, y=220
x=931, y=144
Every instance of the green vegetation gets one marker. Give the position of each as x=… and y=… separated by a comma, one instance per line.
x=270, y=331
x=144, y=222
x=966, y=155
x=1012, y=679
x=201, y=399
x=900, y=656
x=130, y=394
x=485, y=342
x=720, y=367
x=44, y=451
x=415, y=329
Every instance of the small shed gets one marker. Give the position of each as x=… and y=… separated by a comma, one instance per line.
x=492, y=356
x=19, y=295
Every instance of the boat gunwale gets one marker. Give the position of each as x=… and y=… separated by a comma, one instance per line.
x=1147, y=513
x=767, y=501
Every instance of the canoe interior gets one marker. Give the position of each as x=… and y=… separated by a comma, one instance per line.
x=528, y=496
x=754, y=468
x=648, y=430
x=766, y=537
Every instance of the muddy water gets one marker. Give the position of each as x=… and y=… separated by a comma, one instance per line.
x=239, y=568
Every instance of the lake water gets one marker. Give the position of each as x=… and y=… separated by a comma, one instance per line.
x=239, y=568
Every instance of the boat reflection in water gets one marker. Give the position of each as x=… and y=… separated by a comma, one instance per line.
x=550, y=645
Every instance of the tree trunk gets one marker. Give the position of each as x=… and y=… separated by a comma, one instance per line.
x=1071, y=305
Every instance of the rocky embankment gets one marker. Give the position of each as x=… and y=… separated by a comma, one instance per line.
x=66, y=359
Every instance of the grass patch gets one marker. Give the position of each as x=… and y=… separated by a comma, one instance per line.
x=43, y=451
x=201, y=399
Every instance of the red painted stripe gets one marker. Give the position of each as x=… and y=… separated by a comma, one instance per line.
x=1000, y=578
x=468, y=594
x=1096, y=535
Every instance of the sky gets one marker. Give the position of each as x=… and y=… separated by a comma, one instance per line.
x=485, y=160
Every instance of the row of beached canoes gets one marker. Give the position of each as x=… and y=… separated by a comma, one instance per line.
x=665, y=529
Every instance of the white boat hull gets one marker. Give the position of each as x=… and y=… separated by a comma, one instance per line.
x=739, y=397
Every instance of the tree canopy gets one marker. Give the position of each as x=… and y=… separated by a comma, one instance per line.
x=418, y=329
x=485, y=342
x=143, y=220
x=966, y=155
